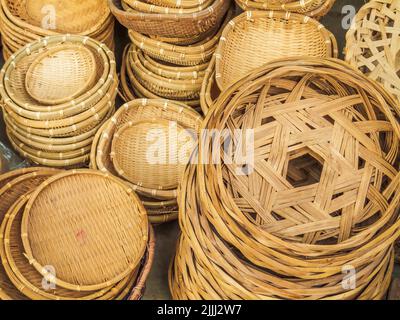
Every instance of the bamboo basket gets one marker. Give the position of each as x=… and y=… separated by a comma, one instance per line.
x=169, y=88
x=326, y=143
x=160, y=203
x=177, y=4
x=18, y=279
x=55, y=125
x=132, y=87
x=143, y=6
x=159, y=212
x=371, y=45
x=171, y=25
x=21, y=21
x=311, y=8
x=118, y=253
x=196, y=54
x=13, y=185
x=255, y=38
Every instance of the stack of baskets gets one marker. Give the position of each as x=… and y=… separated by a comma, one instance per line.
x=257, y=37
x=56, y=93
x=52, y=247
x=147, y=143
x=311, y=213
x=25, y=21
x=169, y=64
x=311, y=8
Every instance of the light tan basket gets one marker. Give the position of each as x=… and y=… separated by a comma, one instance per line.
x=161, y=204
x=19, y=29
x=372, y=45
x=171, y=25
x=255, y=38
x=131, y=153
x=13, y=185
x=326, y=146
x=143, y=6
x=77, y=65
x=312, y=8
x=73, y=16
x=249, y=41
x=84, y=213
x=58, y=129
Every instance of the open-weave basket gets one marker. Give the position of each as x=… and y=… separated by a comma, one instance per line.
x=59, y=133
x=373, y=44
x=21, y=21
x=312, y=8
x=160, y=202
x=317, y=194
x=171, y=25
x=258, y=37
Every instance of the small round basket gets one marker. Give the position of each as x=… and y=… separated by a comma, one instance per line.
x=319, y=182
x=372, y=44
x=254, y=38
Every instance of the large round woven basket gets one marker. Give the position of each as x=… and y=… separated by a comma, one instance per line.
x=258, y=37
x=314, y=194
x=25, y=21
x=312, y=8
x=185, y=25
x=372, y=43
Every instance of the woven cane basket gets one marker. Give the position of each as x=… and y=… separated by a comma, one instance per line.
x=57, y=92
x=25, y=21
x=18, y=278
x=372, y=43
x=317, y=184
x=114, y=152
x=257, y=37
x=311, y=8
x=117, y=249
x=185, y=25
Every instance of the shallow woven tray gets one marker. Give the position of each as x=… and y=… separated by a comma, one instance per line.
x=372, y=43
x=171, y=25
x=77, y=215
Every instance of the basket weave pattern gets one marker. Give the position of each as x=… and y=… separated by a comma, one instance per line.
x=326, y=144
x=372, y=43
